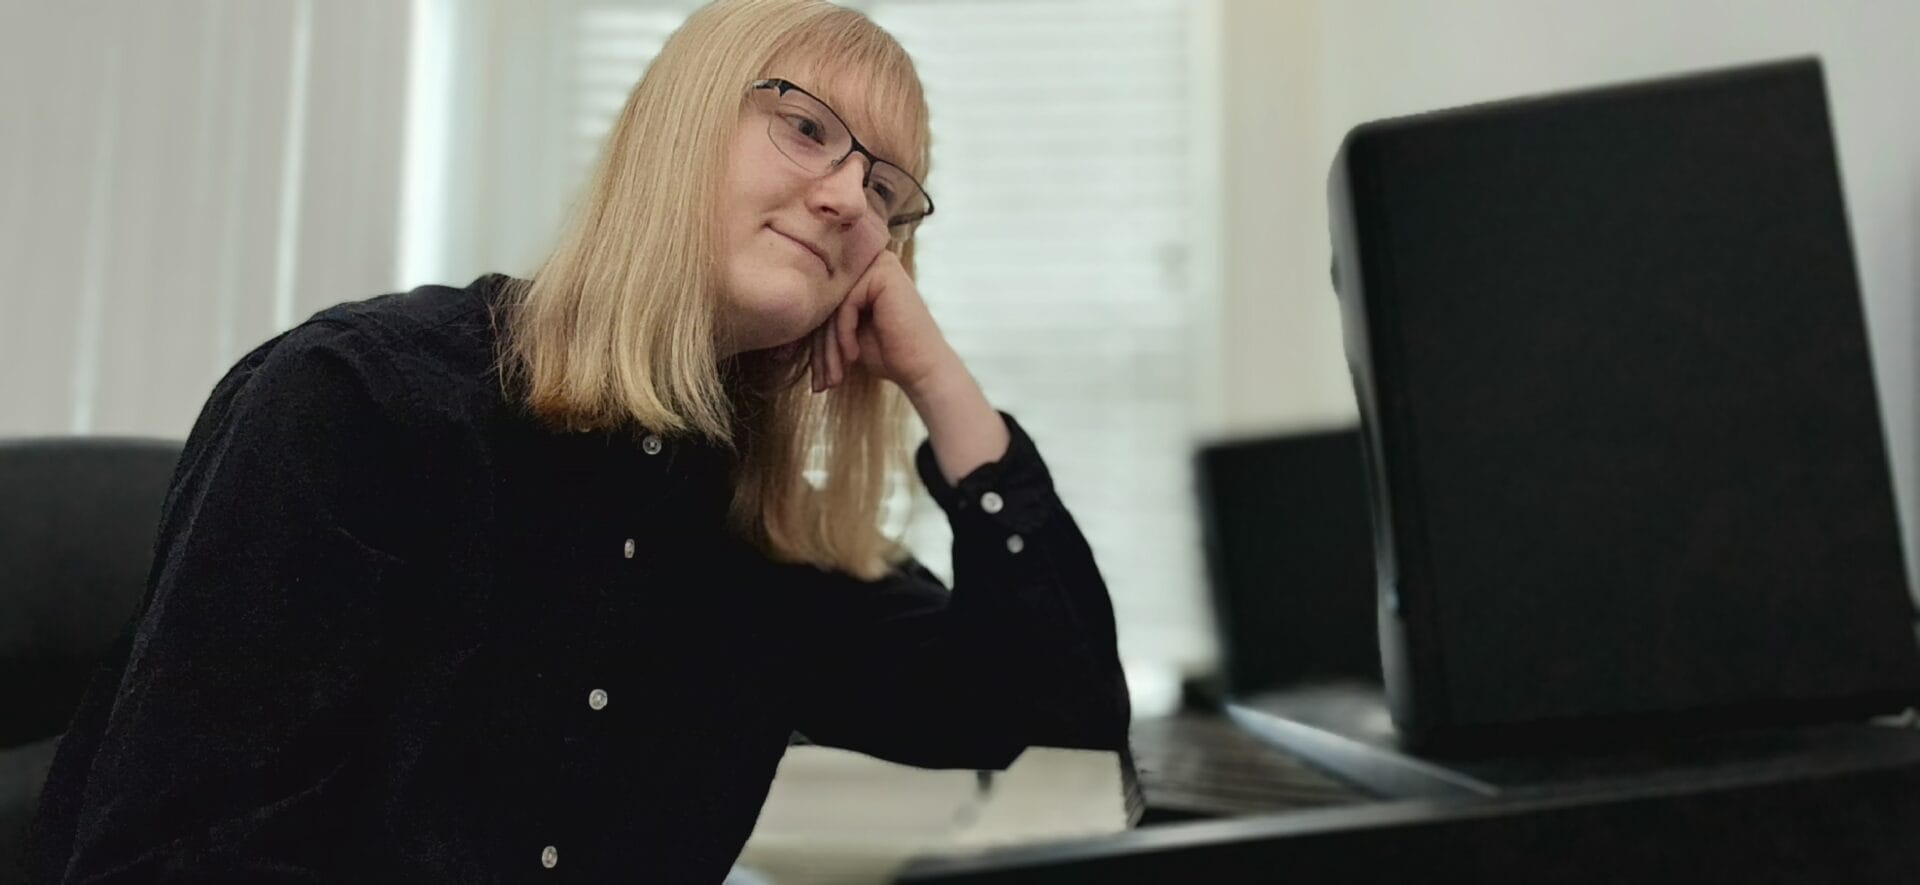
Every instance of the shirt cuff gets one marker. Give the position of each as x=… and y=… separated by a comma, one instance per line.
x=1015, y=492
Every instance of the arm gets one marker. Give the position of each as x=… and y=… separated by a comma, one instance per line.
x=1020, y=653
x=963, y=429
x=226, y=752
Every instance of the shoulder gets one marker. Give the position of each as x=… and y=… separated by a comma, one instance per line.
x=404, y=354
x=382, y=384
x=448, y=332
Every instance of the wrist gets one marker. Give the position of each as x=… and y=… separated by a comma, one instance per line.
x=962, y=425
x=945, y=375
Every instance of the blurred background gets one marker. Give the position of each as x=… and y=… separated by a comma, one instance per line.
x=1131, y=248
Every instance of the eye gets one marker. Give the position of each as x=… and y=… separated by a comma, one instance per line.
x=806, y=127
x=883, y=190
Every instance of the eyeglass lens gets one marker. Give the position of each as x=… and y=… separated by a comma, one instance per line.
x=812, y=135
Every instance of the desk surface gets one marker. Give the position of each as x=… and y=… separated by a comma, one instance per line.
x=1851, y=820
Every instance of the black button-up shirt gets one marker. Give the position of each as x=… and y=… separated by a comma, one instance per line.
x=395, y=629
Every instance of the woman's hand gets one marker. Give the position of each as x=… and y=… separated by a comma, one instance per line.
x=882, y=327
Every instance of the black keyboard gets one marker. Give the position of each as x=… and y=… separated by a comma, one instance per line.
x=1203, y=765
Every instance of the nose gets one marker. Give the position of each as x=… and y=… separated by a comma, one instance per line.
x=841, y=194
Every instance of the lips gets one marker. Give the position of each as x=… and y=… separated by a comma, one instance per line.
x=816, y=250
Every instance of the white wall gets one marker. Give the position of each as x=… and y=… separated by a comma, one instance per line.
x=1304, y=72
x=1281, y=364
x=178, y=181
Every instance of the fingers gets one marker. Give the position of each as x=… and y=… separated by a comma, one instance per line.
x=817, y=354
x=837, y=343
x=835, y=364
x=845, y=321
x=825, y=356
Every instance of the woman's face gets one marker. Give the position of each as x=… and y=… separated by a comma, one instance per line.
x=792, y=242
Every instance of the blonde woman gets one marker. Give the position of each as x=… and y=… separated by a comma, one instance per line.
x=539, y=577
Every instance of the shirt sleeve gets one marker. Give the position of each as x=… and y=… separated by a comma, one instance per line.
x=1021, y=652
x=226, y=752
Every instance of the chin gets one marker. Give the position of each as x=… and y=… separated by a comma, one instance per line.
x=771, y=314
x=770, y=341
x=768, y=329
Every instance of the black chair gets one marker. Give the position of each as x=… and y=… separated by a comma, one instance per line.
x=78, y=519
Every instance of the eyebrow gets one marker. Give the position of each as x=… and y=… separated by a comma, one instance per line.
x=880, y=147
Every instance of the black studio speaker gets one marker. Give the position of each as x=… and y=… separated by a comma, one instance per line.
x=1289, y=558
x=1624, y=452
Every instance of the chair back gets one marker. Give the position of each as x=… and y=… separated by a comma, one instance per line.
x=78, y=520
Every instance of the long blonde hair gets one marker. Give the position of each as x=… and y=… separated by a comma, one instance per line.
x=616, y=327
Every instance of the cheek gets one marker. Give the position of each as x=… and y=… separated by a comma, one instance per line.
x=747, y=184
x=868, y=247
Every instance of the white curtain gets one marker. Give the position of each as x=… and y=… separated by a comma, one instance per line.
x=178, y=182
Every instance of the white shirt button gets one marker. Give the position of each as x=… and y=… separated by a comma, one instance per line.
x=1015, y=544
x=991, y=502
x=651, y=444
x=597, y=699
x=549, y=857
x=627, y=549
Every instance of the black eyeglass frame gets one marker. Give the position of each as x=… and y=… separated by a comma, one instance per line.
x=854, y=147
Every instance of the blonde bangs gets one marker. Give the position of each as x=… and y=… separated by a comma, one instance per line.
x=858, y=68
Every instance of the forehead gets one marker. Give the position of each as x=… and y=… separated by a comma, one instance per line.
x=870, y=109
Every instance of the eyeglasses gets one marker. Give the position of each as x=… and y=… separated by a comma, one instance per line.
x=816, y=139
